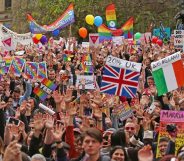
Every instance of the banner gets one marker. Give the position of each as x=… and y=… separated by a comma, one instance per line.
x=64, y=20
x=89, y=81
x=24, y=39
x=111, y=16
x=126, y=30
x=168, y=73
x=171, y=127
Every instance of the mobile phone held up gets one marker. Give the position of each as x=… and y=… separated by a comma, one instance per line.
x=14, y=121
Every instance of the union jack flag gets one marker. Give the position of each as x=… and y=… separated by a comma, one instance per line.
x=119, y=81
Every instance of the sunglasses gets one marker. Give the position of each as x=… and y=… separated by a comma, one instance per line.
x=129, y=128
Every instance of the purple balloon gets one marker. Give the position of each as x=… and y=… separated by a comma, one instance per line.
x=43, y=40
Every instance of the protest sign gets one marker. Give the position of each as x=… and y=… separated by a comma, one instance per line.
x=172, y=127
x=89, y=81
x=93, y=39
x=178, y=39
x=117, y=40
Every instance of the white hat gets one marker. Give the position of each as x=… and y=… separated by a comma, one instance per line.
x=61, y=71
x=148, y=134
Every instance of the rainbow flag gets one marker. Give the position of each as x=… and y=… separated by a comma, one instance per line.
x=42, y=70
x=31, y=69
x=49, y=84
x=86, y=64
x=64, y=20
x=45, y=89
x=111, y=16
x=126, y=30
x=2, y=67
x=5, y=69
x=17, y=66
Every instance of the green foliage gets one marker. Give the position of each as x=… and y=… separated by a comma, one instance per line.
x=47, y=11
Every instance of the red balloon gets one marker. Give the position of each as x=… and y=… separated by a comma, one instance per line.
x=154, y=39
x=35, y=40
x=159, y=42
x=83, y=32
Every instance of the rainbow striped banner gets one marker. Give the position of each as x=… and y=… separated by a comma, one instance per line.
x=126, y=30
x=17, y=66
x=64, y=20
x=111, y=16
x=31, y=69
x=45, y=89
x=2, y=67
x=86, y=64
x=42, y=70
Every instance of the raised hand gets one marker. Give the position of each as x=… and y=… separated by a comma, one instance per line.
x=38, y=123
x=58, y=132
x=49, y=121
x=68, y=97
x=57, y=97
x=13, y=152
x=145, y=154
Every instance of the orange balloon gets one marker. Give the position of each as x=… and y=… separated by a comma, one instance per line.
x=83, y=32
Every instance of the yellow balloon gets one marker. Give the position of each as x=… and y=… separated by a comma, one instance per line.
x=69, y=59
x=90, y=19
x=38, y=36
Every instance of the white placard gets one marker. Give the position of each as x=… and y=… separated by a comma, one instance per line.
x=120, y=63
x=168, y=60
x=94, y=39
x=178, y=39
x=89, y=81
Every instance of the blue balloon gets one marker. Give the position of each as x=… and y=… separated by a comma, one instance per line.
x=55, y=32
x=98, y=21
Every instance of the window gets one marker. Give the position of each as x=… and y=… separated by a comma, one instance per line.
x=8, y=4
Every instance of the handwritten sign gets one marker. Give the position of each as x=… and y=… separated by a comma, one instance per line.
x=116, y=62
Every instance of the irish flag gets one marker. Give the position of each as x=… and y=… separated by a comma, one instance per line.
x=168, y=73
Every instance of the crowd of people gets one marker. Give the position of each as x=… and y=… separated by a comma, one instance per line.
x=85, y=126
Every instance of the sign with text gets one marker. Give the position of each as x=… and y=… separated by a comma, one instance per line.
x=178, y=39
x=171, y=127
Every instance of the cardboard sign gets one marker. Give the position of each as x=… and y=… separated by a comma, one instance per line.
x=94, y=39
x=178, y=39
x=89, y=81
x=117, y=40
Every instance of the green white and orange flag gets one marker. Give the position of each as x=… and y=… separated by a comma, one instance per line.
x=168, y=73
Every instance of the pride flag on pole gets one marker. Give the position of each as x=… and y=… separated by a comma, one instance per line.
x=168, y=73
